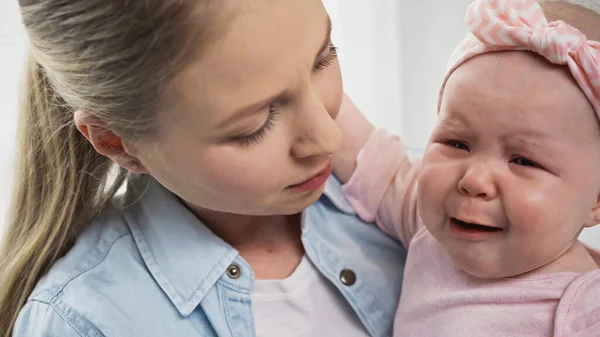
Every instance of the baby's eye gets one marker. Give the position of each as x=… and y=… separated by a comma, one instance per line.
x=524, y=162
x=458, y=145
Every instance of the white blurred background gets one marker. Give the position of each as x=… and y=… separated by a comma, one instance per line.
x=393, y=55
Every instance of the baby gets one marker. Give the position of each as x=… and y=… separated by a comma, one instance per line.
x=509, y=179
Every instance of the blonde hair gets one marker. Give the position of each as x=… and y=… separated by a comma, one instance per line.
x=114, y=59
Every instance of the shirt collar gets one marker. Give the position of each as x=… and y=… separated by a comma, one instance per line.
x=185, y=258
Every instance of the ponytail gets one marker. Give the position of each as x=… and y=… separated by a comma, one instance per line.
x=61, y=183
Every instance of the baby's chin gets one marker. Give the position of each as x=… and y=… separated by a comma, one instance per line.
x=481, y=267
x=487, y=274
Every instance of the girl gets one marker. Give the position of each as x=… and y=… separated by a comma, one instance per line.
x=219, y=116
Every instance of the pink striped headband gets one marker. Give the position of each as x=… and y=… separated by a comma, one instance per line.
x=497, y=25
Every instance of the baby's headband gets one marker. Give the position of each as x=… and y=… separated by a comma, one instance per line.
x=497, y=25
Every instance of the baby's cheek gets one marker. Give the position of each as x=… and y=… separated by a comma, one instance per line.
x=432, y=189
x=532, y=210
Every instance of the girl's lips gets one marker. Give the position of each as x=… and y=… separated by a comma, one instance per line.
x=315, y=181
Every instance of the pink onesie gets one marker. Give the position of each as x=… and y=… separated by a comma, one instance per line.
x=439, y=300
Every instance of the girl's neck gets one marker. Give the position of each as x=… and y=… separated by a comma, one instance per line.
x=270, y=244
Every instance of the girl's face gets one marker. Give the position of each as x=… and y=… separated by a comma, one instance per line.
x=254, y=115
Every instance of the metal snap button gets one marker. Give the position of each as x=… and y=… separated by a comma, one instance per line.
x=234, y=271
x=348, y=277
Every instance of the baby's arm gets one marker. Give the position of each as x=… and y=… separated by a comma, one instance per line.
x=381, y=181
x=356, y=130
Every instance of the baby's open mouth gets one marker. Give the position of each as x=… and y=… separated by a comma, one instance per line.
x=474, y=227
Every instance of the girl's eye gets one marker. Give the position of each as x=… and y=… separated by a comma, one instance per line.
x=257, y=136
x=458, y=145
x=260, y=134
x=327, y=60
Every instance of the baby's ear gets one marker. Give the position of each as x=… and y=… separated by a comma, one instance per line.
x=594, y=217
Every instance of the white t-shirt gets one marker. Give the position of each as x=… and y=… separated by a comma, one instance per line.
x=305, y=304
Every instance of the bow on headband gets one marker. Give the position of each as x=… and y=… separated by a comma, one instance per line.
x=497, y=25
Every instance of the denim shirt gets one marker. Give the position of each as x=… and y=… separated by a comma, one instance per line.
x=154, y=269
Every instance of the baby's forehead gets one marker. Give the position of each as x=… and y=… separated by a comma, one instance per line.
x=516, y=90
x=523, y=78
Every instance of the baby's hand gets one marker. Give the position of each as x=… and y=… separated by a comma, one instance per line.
x=356, y=130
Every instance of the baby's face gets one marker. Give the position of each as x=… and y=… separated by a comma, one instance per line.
x=511, y=174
